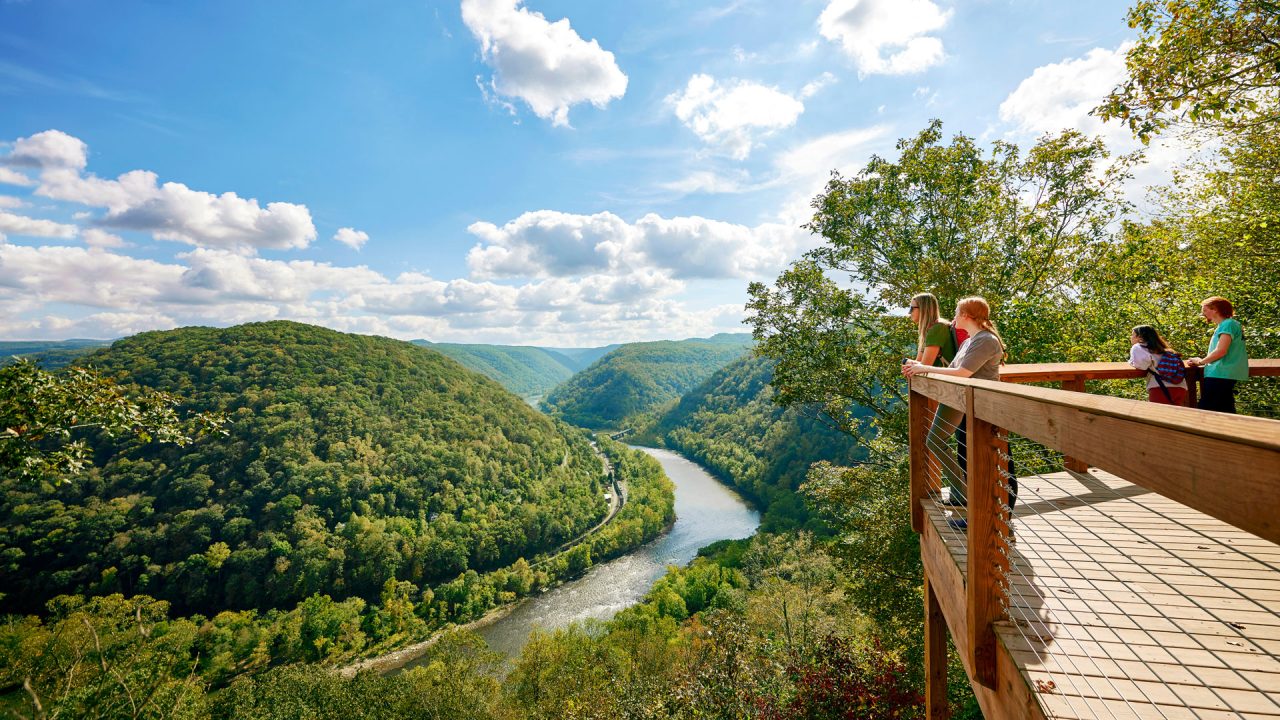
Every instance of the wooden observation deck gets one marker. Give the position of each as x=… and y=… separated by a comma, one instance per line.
x=1136, y=576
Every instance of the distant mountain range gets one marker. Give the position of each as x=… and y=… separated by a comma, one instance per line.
x=638, y=378
x=51, y=354
x=528, y=371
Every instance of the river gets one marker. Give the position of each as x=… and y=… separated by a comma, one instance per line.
x=706, y=511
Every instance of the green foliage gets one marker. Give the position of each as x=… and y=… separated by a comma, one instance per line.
x=44, y=417
x=107, y=657
x=731, y=425
x=348, y=461
x=530, y=372
x=1207, y=62
x=455, y=681
x=638, y=377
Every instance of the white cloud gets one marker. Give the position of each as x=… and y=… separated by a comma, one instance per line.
x=545, y=64
x=549, y=244
x=98, y=238
x=816, y=86
x=11, y=202
x=34, y=227
x=172, y=211
x=352, y=238
x=886, y=37
x=9, y=176
x=48, y=149
x=1060, y=95
x=733, y=116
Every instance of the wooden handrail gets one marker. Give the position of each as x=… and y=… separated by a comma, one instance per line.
x=1225, y=466
x=1058, y=372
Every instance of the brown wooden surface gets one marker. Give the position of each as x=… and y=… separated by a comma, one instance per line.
x=935, y=656
x=1011, y=697
x=1057, y=372
x=984, y=572
x=1075, y=384
x=919, y=428
x=943, y=391
x=1130, y=604
x=1227, y=478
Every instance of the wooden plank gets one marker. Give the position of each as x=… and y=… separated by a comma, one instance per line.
x=1260, y=432
x=1231, y=478
x=982, y=582
x=944, y=391
x=1074, y=384
x=919, y=428
x=935, y=657
x=1057, y=372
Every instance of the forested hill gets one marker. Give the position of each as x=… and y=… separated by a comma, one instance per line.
x=349, y=460
x=731, y=425
x=637, y=378
x=530, y=372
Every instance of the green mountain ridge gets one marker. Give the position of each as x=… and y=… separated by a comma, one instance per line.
x=730, y=425
x=527, y=371
x=638, y=378
x=349, y=461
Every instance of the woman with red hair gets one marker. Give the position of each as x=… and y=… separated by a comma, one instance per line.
x=1227, y=362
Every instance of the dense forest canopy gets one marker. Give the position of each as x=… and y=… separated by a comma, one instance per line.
x=348, y=461
x=638, y=377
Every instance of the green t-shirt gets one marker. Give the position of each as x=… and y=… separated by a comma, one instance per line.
x=1235, y=364
x=940, y=335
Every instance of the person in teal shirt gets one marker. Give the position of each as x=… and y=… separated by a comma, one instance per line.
x=1227, y=362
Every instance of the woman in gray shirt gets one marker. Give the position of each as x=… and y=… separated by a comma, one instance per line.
x=980, y=357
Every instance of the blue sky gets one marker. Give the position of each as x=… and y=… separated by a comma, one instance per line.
x=550, y=172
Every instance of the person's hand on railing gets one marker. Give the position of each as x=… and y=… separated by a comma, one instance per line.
x=911, y=368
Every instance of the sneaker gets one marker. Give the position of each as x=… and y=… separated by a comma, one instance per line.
x=953, y=501
x=958, y=523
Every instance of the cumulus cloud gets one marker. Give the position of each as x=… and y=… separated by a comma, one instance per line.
x=549, y=244
x=11, y=224
x=1060, y=95
x=352, y=238
x=170, y=211
x=9, y=176
x=886, y=37
x=545, y=64
x=10, y=202
x=48, y=149
x=735, y=115
x=99, y=238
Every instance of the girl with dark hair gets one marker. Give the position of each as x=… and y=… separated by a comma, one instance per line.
x=1148, y=348
x=1227, y=362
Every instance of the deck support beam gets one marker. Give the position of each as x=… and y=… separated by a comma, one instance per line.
x=935, y=657
x=984, y=581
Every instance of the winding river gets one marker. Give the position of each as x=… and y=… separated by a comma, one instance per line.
x=706, y=511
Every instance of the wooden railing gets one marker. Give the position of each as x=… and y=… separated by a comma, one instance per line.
x=1225, y=466
x=1072, y=376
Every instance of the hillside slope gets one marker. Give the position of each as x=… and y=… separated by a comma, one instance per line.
x=730, y=425
x=637, y=378
x=530, y=372
x=349, y=461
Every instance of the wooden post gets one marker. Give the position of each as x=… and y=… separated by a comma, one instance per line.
x=1193, y=384
x=935, y=656
x=1075, y=384
x=919, y=428
x=983, y=583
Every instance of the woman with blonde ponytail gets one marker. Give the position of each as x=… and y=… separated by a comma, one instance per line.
x=979, y=357
x=936, y=340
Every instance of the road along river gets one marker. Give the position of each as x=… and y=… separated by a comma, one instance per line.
x=706, y=511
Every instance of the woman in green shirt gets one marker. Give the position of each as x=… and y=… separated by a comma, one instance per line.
x=935, y=341
x=1227, y=362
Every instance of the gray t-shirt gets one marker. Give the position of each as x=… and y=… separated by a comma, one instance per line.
x=980, y=354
